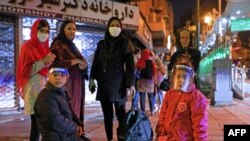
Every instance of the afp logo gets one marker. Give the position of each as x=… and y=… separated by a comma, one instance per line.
x=239, y=132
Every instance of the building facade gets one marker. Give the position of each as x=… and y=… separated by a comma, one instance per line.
x=91, y=16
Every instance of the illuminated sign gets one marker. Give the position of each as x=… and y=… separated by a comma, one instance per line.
x=87, y=11
x=242, y=24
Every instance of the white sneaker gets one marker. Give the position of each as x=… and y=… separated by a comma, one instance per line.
x=156, y=108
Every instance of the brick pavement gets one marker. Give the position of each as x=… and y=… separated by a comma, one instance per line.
x=16, y=127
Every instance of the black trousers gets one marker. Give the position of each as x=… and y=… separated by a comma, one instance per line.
x=108, y=112
x=34, y=132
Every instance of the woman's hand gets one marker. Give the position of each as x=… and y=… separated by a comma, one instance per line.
x=79, y=130
x=131, y=91
x=92, y=86
x=49, y=58
x=82, y=64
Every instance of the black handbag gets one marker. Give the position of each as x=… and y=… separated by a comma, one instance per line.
x=164, y=85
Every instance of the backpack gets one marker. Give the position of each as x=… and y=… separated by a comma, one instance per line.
x=147, y=72
x=136, y=126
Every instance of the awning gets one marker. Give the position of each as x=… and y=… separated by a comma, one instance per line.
x=237, y=5
x=232, y=7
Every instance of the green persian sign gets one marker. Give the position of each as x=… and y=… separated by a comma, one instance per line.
x=242, y=24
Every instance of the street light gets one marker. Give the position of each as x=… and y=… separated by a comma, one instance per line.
x=198, y=23
x=208, y=19
x=198, y=19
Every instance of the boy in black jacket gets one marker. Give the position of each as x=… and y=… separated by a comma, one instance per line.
x=53, y=113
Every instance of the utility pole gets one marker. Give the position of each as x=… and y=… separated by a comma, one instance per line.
x=219, y=7
x=198, y=23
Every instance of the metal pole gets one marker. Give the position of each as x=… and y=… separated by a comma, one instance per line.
x=198, y=36
x=198, y=23
x=219, y=7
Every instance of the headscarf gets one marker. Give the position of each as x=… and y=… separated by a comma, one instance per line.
x=31, y=51
x=62, y=37
x=178, y=43
x=114, y=44
x=192, y=51
x=145, y=55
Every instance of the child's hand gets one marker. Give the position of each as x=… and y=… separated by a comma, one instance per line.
x=161, y=138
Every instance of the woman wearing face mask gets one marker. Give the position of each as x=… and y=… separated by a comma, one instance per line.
x=113, y=69
x=32, y=69
x=68, y=56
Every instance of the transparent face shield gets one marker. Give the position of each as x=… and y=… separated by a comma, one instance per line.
x=182, y=78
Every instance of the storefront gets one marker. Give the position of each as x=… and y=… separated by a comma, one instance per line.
x=16, y=18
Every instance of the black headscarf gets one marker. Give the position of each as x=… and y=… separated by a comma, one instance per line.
x=178, y=43
x=187, y=51
x=114, y=44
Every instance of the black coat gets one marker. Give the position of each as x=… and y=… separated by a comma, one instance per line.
x=195, y=58
x=114, y=72
x=54, y=116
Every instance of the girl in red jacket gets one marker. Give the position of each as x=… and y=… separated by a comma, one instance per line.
x=183, y=115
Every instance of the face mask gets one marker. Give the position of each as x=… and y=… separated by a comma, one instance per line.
x=115, y=31
x=42, y=37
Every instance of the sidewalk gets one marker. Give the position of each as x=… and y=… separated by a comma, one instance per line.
x=16, y=127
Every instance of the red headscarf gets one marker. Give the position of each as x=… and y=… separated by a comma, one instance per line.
x=31, y=51
x=145, y=55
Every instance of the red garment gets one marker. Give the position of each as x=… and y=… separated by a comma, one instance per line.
x=145, y=55
x=183, y=116
x=31, y=51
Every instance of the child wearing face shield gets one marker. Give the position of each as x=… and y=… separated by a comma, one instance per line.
x=183, y=114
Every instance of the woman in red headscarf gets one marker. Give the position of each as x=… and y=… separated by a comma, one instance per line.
x=145, y=84
x=32, y=69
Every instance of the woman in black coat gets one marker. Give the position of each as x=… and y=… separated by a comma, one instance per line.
x=185, y=47
x=184, y=43
x=113, y=69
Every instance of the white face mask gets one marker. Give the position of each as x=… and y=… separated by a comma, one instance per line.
x=115, y=31
x=42, y=37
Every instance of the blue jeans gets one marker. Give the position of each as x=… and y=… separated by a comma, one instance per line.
x=160, y=95
x=143, y=99
x=135, y=101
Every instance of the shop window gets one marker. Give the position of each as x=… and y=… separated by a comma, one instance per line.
x=7, y=62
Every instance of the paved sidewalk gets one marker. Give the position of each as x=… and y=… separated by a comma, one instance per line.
x=16, y=127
